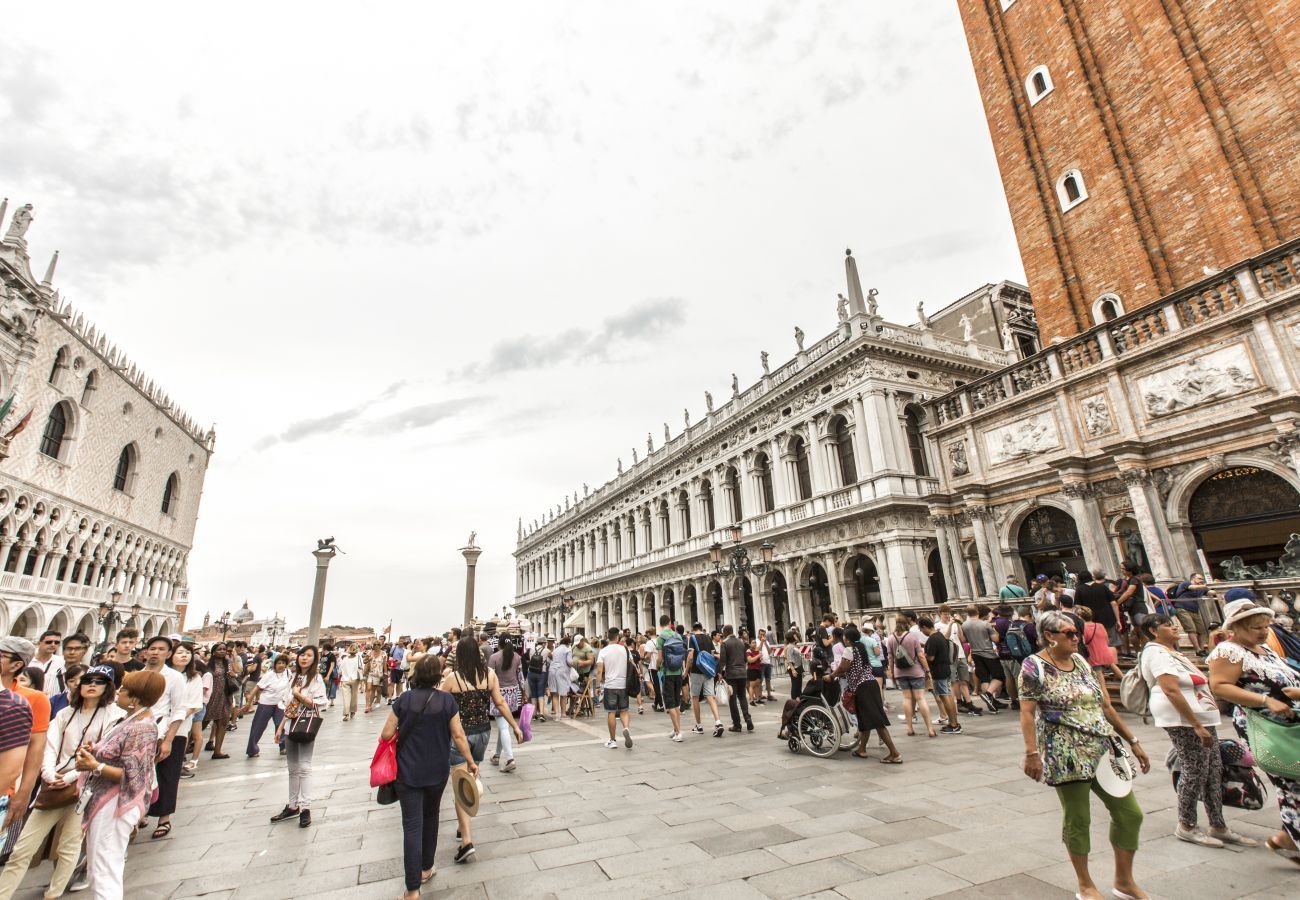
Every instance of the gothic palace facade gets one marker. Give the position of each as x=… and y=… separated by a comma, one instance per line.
x=100, y=487
x=823, y=457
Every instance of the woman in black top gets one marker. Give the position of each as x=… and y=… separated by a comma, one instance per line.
x=426, y=722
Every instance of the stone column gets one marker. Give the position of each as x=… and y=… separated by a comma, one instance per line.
x=980, y=518
x=1151, y=521
x=1097, y=550
x=821, y=480
x=862, y=449
x=781, y=492
x=323, y=557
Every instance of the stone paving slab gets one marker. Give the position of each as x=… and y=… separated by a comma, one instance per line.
x=735, y=817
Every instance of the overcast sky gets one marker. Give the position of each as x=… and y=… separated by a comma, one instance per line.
x=428, y=267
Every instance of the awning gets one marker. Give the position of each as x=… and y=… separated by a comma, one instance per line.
x=577, y=620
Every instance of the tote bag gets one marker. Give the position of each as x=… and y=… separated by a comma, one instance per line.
x=1275, y=746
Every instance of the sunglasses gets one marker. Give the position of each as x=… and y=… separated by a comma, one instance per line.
x=93, y=681
x=1068, y=633
x=54, y=641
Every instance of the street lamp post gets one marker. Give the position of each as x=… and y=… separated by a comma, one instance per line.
x=471, y=552
x=737, y=562
x=324, y=552
x=224, y=622
x=561, y=604
x=110, y=616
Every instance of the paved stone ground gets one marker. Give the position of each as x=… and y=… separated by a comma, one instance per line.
x=737, y=817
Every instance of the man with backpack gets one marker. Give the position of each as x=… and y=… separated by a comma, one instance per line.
x=672, y=663
x=1011, y=659
x=702, y=669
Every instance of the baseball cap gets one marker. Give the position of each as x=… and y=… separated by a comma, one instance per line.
x=19, y=647
x=107, y=672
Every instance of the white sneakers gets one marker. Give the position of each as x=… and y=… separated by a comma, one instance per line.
x=611, y=744
x=677, y=736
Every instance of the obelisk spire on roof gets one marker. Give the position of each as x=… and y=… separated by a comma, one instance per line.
x=857, y=304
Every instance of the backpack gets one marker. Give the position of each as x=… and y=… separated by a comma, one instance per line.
x=1135, y=693
x=674, y=652
x=632, y=681
x=1018, y=642
x=704, y=661
x=902, y=658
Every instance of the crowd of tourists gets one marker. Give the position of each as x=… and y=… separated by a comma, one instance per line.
x=96, y=745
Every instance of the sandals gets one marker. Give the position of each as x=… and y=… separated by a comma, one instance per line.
x=163, y=829
x=1293, y=855
x=893, y=760
x=861, y=755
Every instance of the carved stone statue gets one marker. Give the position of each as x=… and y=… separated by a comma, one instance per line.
x=798, y=337
x=967, y=328
x=586, y=491
x=708, y=402
x=957, y=458
x=921, y=317
x=649, y=443
x=763, y=358
x=21, y=221
x=1008, y=342
x=668, y=434
x=873, y=305
x=634, y=457
x=686, y=417
x=620, y=465
x=1096, y=416
x=735, y=385
x=842, y=308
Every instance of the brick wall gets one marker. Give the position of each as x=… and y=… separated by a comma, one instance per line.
x=1181, y=115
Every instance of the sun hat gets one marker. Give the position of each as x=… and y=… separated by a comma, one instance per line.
x=19, y=647
x=867, y=626
x=1243, y=608
x=467, y=790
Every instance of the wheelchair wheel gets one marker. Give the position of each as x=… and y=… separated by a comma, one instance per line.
x=818, y=731
x=793, y=744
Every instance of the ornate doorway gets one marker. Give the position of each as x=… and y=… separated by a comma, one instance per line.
x=1246, y=521
x=1048, y=541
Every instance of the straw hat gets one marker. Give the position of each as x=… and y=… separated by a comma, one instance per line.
x=467, y=790
x=1244, y=608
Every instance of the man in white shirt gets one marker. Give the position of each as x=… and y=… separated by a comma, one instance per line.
x=650, y=656
x=47, y=659
x=350, y=678
x=612, y=674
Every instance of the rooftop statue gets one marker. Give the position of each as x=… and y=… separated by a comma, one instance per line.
x=708, y=401
x=763, y=359
x=872, y=303
x=921, y=318
x=21, y=221
x=686, y=416
x=798, y=337
x=735, y=385
x=842, y=308
x=967, y=327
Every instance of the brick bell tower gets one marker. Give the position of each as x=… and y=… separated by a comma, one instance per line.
x=1143, y=144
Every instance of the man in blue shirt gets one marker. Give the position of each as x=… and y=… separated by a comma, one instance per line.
x=397, y=654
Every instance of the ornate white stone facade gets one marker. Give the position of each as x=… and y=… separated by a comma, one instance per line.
x=102, y=501
x=1169, y=435
x=823, y=457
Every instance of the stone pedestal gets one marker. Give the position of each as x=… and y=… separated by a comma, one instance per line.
x=471, y=555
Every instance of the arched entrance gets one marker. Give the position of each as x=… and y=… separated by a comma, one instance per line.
x=669, y=601
x=1048, y=541
x=780, y=601
x=938, y=587
x=747, y=618
x=26, y=625
x=866, y=581
x=714, y=601
x=819, y=591
x=691, y=603
x=1249, y=519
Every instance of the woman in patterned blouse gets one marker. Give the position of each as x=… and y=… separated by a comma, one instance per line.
x=1068, y=725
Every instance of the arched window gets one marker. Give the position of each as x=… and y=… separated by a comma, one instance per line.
x=802, y=473
x=706, y=494
x=844, y=450
x=1038, y=85
x=171, y=493
x=1107, y=308
x=915, y=444
x=124, y=477
x=763, y=472
x=88, y=392
x=59, y=367
x=1070, y=190
x=55, y=439
x=733, y=487
x=684, y=504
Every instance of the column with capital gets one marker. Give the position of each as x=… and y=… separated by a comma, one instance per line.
x=880, y=419
x=954, y=573
x=1097, y=551
x=863, y=452
x=777, y=469
x=1151, y=521
x=980, y=518
x=820, y=477
x=324, y=552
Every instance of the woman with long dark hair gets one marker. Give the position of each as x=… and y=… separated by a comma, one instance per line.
x=89, y=714
x=475, y=686
x=308, y=698
x=219, y=706
x=427, y=724
x=507, y=664
x=182, y=661
x=870, y=703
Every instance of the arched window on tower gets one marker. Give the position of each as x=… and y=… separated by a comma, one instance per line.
x=1107, y=308
x=915, y=443
x=56, y=439
x=88, y=392
x=763, y=472
x=127, y=462
x=803, y=475
x=60, y=366
x=1071, y=190
x=171, y=494
x=1039, y=84
x=844, y=450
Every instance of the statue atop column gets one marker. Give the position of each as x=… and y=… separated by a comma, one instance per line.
x=686, y=417
x=763, y=359
x=620, y=465
x=708, y=402
x=798, y=337
x=735, y=386
x=649, y=443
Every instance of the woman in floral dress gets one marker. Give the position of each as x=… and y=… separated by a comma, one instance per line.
x=1245, y=672
x=1068, y=725
x=219, y=708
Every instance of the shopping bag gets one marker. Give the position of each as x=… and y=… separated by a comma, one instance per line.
x=383, y=766
x=526, y=721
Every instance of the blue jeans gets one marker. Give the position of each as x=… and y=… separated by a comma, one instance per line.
x=266, y=712
x=419, y=829
x=331, y=689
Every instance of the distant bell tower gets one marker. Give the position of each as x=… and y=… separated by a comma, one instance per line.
x=1144, y=144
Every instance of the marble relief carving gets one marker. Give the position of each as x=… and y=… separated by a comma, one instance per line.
x=957, y=459
x=1032, y=434
x=1201, y=379
x=1096, y=415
